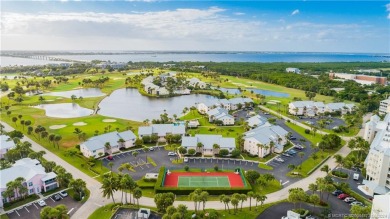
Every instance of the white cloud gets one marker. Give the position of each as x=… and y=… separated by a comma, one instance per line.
x=388, y=10
x=180, y=29
x=239, y=13
x=295, y=12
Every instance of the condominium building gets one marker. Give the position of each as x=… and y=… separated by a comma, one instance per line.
x=370, y=128
x=381, y=207
x=377, y=163
x=384, y=106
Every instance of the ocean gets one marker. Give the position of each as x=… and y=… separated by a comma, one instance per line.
x=262, y=57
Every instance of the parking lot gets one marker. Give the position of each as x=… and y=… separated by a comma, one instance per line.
x=353, y=184
x=33, y=211
x=124, y=213
x=333, y=122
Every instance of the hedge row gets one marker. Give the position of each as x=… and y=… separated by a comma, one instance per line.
x=340, y=174
x=210, y=190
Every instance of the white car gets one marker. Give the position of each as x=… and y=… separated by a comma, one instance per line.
x=185, y=160
x=279, y=159
x=63, y=194
x=171, y=154
x=143, y=213
x=41, y=203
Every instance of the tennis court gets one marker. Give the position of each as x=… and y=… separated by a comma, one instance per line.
x=203, y=181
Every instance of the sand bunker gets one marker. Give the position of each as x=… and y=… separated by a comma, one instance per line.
x=57, y=126
x=109, y=120
x=79, y=124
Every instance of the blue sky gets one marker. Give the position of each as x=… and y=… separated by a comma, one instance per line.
x=312, y=26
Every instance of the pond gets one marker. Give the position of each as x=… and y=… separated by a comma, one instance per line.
x=85, y=93
x=268, y=92
x=230, y=90
x=65, y=110
x=128, y=103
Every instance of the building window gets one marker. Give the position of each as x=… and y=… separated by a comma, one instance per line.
x=31, y=191
x=30, y=184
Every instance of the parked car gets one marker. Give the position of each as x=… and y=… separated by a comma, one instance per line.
x=286, y=155
x=337, y=192
x=186, y=160
x=171, y=153
x=56, y=197
x=279, y=159
x=349, y=199
x=356, y=176
x=299, y=147
x=41, y=203
x=151, y=149
x=357, y=203
x=143, y=213
x=63, y=193
x=291, y=152
x=266, y=113
x=110, y=157
x=343, y=196
x=292, y=138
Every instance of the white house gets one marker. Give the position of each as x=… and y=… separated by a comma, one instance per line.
x=161, y=130
x=5, y=144
x=258, y=141
x=196, y=83
x=96, y=146
x=384, y=106
x=206, y=106
x=220, y=114
x=307, y=108
x=293, y=70
x=257, y=121
x=340, y=107
x=37, y=180
x=208, y=142
x=236, y=102
x=377, y=162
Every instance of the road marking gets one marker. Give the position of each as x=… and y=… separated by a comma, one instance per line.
x=70, y=211
x=35, y=205
x=98, y=205
x=285, y=183
x=17, y=213
x=27, y=210
x=52, y=199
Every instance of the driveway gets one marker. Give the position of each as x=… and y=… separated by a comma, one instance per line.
x=33, y=211
x=337, y=207
x=334, y=122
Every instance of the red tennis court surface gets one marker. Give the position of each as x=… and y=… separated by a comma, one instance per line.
x=172, y=180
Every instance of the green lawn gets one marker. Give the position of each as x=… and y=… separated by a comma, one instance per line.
x=271, y=187
x=225, y=131
x=21, y=202
x=265, y=159
x=265, y=166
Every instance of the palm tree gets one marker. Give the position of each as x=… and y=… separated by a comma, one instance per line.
x=216, y=148
x=243, y=198
x=258, y=151
x=339, y=160
x=121, y=143
x=62, y=176
x=250, y=196
x=313, y=187
x=109, y=186
x=325, y=169
x=199, y=147
x=78, y=186
x=235, y=202
x=272, y=146
x=107, y=146
x=301, y=155
x=137, y=193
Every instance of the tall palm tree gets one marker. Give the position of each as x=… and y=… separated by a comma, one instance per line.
x=258, y=149
x=127, y=182
x=107, y=146
x=272, y=146
x=137, y=193
x=109, y=186
x=199, y=146
x=216, y=148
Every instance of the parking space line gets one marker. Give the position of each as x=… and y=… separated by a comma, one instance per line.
x=35, y=205
x=27, y=210
x=52, y=199
x=17, y=213
x=70, y=211
x=285, y=183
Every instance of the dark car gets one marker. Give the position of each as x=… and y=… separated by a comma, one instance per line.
x=292, y=138
x=56, y=197
x=337, y=192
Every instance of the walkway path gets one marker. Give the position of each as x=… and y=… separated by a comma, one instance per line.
x=96, y=200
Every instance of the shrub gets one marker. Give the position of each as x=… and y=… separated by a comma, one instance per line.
x=216, y=168
x=186, y=168
x=339, y=174
x=307, y=131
